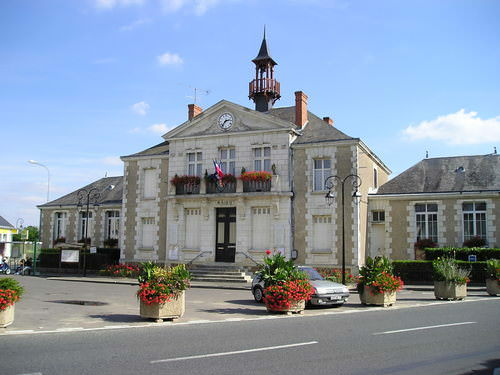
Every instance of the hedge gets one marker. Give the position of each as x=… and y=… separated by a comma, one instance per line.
x=50, y=258
x=421, y=270
x=462, y=253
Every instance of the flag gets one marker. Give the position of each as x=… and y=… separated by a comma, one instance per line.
x=218, y=172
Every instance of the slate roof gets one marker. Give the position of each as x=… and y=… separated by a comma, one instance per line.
x=317, y=130
x=159, y=149
x=5, y=224
x=264, y=53
x=107, y=195
x=449, y=174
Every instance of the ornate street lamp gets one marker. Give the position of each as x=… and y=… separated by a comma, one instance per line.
x=85, y=198
x=330, y=184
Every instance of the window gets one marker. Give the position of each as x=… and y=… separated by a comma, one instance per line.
x=148, y=235
x=60, y=225
x=474, y=220
x=149, y=183
x=378, y=216
x=426, y=218
x=192, y=228
x=227, y=158
x=322, y=232
x=83, y=224
x=261, y=228
x=194, y=163
x=375, y=178
x=262, y=159
x=112, y=224
x=321, y=172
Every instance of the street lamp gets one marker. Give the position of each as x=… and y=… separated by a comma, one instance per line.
x=330, y=184
x=85, y=197
x=48, y=176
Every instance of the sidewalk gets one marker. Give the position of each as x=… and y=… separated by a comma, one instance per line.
x=58, y=304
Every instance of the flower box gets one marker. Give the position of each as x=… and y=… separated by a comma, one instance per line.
x=186, y=184
x=7, y=316
x=172, y=309
x=369, y=297
x=256, y=186
x=493, y=287
x=450, y=290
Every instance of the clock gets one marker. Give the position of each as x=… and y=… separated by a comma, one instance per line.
x=225, y=121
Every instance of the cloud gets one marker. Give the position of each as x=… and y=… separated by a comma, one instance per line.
x=158, y=128
x=140, y=108
x=199, y=7
x=135, y=24
x=112, y=160
x=110, y=4
x=170, y=59
x=460, y=128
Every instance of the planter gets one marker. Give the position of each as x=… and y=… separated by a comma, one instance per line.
x=7, y=316
x=296, y=307
x=173, y=309
x=380, y=299
x=449, y=291
x=492, y=287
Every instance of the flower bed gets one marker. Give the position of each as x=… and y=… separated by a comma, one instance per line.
x=121, y=270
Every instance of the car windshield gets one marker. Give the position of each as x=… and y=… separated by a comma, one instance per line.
x=312, y=273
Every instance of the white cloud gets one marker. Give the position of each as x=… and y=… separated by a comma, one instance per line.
x=135, y=24
x=112, y=160
x=199, y=7
x=141, y=108
x=170, y=59
x=109, y=4
x=171, y=6
x=458, y=128
x=158, y=128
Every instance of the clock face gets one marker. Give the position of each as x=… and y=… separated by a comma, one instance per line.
x=225, y=121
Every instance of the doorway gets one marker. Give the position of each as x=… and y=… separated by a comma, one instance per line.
x=225, y=227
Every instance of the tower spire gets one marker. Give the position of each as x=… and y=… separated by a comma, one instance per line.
x=264, y=90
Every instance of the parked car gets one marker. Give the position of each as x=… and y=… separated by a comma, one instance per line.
x=325, y=292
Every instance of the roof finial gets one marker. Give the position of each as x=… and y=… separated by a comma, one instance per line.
x=264, y=31
x=494, y=150
x=427, y=154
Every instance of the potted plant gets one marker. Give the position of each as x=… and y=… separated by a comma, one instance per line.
x=377, y=284
x=186, y=184
x=10, y=292
x=286, y=289
x=450, y=281
x=161, y=291
x=493, y=282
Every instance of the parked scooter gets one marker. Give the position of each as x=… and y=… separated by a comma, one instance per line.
x=4, y=267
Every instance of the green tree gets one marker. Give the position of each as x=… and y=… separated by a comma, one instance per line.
x=32, y=234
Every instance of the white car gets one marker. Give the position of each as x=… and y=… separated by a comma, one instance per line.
x=325, y=292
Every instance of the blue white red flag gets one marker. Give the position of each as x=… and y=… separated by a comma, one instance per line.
x=218, y=171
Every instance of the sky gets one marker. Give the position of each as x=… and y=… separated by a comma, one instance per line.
x=84, y=82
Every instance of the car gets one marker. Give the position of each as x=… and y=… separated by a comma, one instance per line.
x=325, y=292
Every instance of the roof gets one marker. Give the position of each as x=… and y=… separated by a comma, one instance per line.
x=448, y=174
x=159, y=149
x=5, y=224
x=109, y=188
x=316, y=130
x=264, y=52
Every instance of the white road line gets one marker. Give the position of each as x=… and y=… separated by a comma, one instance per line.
x=33, y=373
x=234, y=352
x=422, y=328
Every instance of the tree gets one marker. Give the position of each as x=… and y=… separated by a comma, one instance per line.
x=32, y=234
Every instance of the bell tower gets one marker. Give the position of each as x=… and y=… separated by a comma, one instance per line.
x=264, y=90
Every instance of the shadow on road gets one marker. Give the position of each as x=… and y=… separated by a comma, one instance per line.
x=118, y=318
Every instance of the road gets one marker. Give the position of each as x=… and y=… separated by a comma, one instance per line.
x=448, y=338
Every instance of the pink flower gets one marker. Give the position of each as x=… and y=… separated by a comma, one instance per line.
x=268, y=252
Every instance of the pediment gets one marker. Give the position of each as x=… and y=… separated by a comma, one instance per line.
x=244, y=120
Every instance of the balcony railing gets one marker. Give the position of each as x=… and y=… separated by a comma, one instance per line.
x=182, y=189
x=264, y=85
x=213, y=188
x=255, y=186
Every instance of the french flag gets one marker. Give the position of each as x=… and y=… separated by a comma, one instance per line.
x=218, y=171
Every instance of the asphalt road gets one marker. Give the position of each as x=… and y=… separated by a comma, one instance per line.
x=449, y=338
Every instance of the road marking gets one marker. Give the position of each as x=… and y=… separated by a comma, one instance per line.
x=33, y=373
x=422, y=328
x=234, y=352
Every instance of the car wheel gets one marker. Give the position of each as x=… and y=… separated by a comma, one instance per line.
x=258, y=293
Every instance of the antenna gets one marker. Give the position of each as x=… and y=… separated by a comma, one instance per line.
x=494, y=150
x=427, y=154
x=196, y=91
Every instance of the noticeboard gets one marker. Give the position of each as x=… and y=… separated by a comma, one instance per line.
x=472, y=258
x=70, y=256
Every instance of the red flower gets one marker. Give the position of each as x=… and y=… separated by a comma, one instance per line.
x=268, y=252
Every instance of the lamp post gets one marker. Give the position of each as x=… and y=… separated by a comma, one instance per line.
x=330, y=184
x=34, y=162
x=85, y=197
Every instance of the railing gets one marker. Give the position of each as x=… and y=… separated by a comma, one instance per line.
x=213, y=188
x=254, y=186
x=267, y=85
x=190, y=263
x=181, y=189
x=249, y=257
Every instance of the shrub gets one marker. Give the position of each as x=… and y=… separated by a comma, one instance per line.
x=475, y=242
x=160, y=285
x=378, y=273
x=10, y=292
x=461, y=253
x=493, y=269
x=447, y=269
x=276, y=269
x=425, y=243
x=121, y=270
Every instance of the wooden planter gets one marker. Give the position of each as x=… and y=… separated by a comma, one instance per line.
x=492, y=287
x=380, y=299
x=449, y=291
x=296, y=307
x=173, y=309
x=7, y=316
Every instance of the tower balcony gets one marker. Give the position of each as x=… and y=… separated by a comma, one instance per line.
x=267, y=86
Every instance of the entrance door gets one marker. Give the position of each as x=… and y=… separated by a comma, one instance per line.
x=225, y=247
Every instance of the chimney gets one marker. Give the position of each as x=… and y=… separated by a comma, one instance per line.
x=328, y=120
x=193, y=111
x=300, y=108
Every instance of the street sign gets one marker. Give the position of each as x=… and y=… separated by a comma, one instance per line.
x=93, y=250
x=472, y=258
